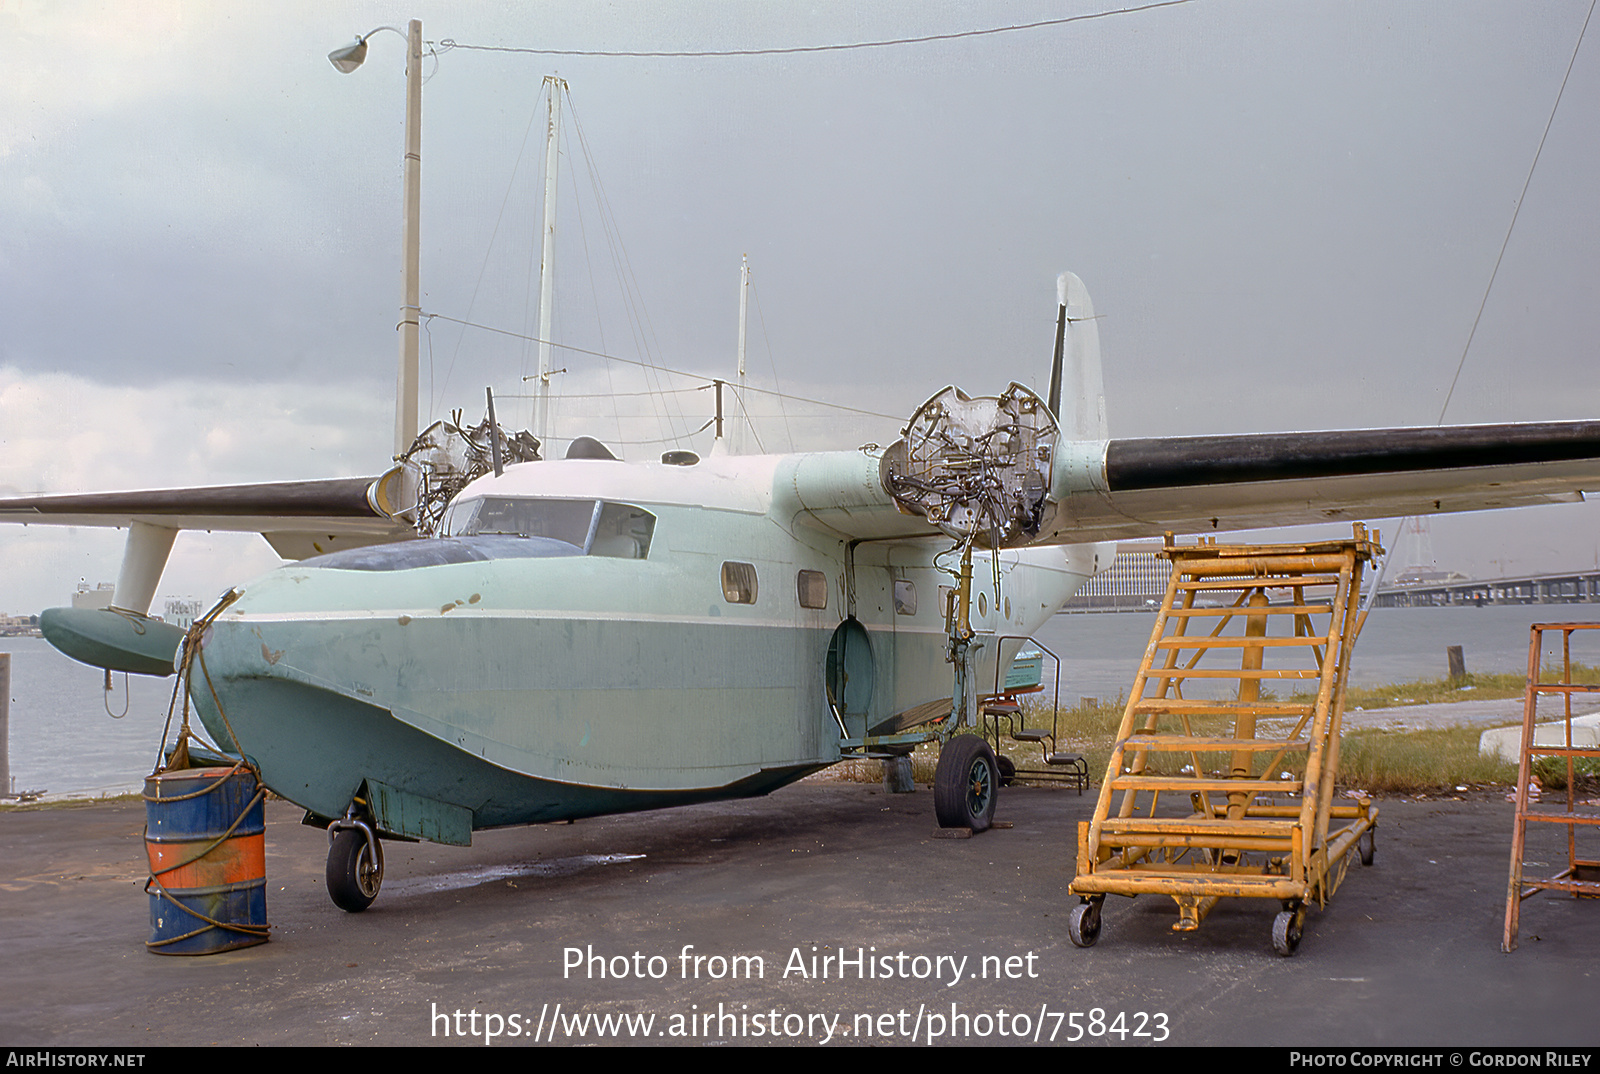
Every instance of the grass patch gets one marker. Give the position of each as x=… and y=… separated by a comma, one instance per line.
x=1433, y=691
x=1378, y=761
x=1406, y=763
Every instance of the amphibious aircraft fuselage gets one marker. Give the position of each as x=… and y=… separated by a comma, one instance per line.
x=596, y=636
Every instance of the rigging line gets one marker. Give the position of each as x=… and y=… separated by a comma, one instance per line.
x=447, y=44
x=749, y=422
x=505, y=200
x=660, y=440
x=661, y=368
x=762, y=317
x=594, y=288
x=819, y=402
x=629, y=284
x=1512, y=226
x=613, y=395
x=563, y=346
x=626, y=285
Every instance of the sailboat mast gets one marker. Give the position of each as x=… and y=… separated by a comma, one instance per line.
x=744, y=308
x=555, y=86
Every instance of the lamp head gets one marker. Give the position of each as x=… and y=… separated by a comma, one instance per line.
x=347, y=59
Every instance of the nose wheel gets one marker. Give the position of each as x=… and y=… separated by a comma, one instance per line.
x=355, y=866
x=966, y=784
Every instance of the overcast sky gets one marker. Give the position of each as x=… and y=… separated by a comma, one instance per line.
x=1287, y=215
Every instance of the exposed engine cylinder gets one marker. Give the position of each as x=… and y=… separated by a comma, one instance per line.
x=979, y=469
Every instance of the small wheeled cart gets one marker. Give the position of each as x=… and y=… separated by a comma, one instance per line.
x=1218, y=787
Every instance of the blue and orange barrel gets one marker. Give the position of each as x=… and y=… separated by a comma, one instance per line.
x=205, y=836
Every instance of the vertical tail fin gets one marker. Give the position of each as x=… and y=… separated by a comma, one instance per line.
x=1077, y=390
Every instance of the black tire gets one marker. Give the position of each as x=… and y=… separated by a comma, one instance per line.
x=1369, y=846
x=353, y=878
x=1083, y=923
x=1008, y=770
x=966, y=784
x=1286, y=932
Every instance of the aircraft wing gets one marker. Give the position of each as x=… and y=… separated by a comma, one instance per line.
x=1118, y=489
x=298, y=518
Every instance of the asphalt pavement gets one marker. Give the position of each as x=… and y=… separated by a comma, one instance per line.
x=826, y=913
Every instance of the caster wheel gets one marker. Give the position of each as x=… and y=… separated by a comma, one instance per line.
x=1008, y=770
x=354, y=874
x=965, y=784
x=1083, y=924
x=1369, y=846
x=1286, y=932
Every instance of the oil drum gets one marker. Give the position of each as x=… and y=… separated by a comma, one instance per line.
x=205, y=837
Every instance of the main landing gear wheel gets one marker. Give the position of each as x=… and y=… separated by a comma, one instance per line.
x=965, y=784
x=1286, y=931
x=355, y=869
x=1083, y=923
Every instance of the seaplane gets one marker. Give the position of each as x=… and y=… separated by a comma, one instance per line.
x=481, y=636
x=586, y=635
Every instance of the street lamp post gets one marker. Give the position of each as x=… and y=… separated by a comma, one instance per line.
x=347, y=59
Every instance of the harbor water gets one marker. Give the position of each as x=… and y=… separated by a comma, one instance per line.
x=63, y=741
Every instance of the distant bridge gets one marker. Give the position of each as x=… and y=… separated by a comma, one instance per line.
x=1571, y=587
x=1137, y=580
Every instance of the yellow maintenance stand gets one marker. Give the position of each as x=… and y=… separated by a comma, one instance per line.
x=1221, y=780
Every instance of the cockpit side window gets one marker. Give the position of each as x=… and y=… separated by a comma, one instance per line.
x=623, y=532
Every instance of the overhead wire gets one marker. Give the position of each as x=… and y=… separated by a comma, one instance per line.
x=644, y=330
x=1383, y=568
x=447, y=44
x=656, y=367
x=1514, y=213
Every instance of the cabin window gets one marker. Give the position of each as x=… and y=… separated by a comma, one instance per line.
x=813, y=589
x=739, y=583
x=597, y=528
x=905, y=598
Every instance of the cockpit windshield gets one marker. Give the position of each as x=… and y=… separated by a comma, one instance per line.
x=599, y=528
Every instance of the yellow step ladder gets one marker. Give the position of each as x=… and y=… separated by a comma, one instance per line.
x=1228, y=792
x=1579, y=878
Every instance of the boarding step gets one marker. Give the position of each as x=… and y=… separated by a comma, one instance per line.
x=1205, y=826
x=1199, y=744
x=1196, y=641
x=1187, y=784
x=1184, y=707
x=1032, y=734
x=1247, y=881
x=1272, y=609
x=1266, y=582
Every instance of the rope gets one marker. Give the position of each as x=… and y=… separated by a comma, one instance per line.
x=180, y=761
